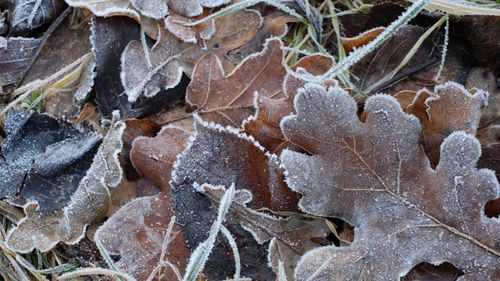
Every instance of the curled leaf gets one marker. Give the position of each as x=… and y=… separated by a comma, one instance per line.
x=190, y=34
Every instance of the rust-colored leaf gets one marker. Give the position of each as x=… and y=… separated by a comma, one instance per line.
x=227, y=99
x=153, y=157
x=136, y=128
x=350, y=43
x=448, y=109
x=376, y=176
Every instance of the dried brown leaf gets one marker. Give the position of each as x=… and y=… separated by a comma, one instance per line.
x=138, y=231
x=374, y=67
x=136, y=128
x=448, y=109
x=153, y=157
x=227, y=99
x=376, y=176
x=350, y=43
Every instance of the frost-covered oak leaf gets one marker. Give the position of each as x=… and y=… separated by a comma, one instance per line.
x=221, y=156
x=148, y=71
x=376, y=176
x=89, y=203
x=264, y=125
x=227, y=98
x=137, y=232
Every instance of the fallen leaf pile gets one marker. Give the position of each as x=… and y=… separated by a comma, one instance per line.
x=209, y=140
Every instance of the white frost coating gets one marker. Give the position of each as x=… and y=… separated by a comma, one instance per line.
x=88, y=203
x=136, y=76
x=231, y=130
x=106, y=8
x=151, y=8
x=396, y=104
x=360, y=184
x=87, y=81
x=262, y=52
x=255, y=103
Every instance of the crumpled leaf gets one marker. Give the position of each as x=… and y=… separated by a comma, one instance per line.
x=137, y=232
x=44, y=159
x=222, y=156
x=27, y=15
x=109, y=38
x=170, y=57
x=289, y=237
x=264, y=125
x=227, y=99
x=13, y=62
x=376, y=176
x=89, y=203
